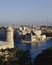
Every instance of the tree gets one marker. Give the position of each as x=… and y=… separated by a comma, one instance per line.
x=45, y=58
x=25, y=59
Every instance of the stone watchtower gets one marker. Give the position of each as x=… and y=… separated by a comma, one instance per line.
x=10, y=39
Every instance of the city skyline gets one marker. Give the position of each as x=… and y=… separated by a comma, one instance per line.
x=38, y=12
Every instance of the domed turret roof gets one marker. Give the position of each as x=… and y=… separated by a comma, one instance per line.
x=10, y=28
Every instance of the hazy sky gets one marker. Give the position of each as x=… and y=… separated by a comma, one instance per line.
x=25, y=11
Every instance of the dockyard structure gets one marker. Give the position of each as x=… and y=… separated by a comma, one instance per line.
x=36, y=36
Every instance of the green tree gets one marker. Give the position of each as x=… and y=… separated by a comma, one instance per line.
x=45, y=58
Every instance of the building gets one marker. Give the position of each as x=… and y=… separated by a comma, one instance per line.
x=9, y=43
x=36, y=36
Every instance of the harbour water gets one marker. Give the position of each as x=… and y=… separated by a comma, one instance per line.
x=35, y=48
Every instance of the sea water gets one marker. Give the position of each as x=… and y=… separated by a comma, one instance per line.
x=35, y=48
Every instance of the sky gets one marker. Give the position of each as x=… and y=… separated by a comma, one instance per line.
x=37, y=12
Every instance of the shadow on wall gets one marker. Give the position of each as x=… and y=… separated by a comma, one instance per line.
x=3, y=33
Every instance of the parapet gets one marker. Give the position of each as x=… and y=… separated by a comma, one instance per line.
x=9, y=28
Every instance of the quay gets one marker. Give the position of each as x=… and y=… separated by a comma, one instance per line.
x=23, y=41
x=49, y=37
